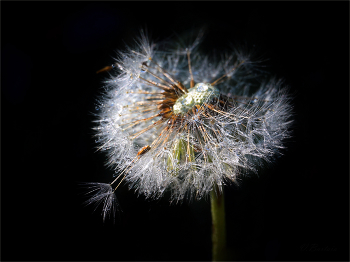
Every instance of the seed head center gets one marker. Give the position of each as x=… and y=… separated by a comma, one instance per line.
x=196, y=95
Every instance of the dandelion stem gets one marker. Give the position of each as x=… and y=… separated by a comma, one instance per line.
x=218, y=225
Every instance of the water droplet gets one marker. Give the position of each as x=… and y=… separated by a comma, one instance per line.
x=201, y=87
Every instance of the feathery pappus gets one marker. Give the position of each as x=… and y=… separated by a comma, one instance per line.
x=173, y=119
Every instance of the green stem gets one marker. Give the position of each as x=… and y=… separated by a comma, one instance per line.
x=182, y=151
x=218, y=225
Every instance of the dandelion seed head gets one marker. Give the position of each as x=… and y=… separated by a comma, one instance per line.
x=174, y=119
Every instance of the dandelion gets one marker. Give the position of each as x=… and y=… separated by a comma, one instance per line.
x=173, y=119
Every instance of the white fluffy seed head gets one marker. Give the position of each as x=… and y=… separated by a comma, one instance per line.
x=167, y=134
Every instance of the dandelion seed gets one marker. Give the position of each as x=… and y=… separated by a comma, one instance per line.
x=101, y=193
x=200, y=122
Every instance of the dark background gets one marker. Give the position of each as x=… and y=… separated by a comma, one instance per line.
x=298, y=209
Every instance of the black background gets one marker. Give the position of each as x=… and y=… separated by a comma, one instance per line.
x=298, y=209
